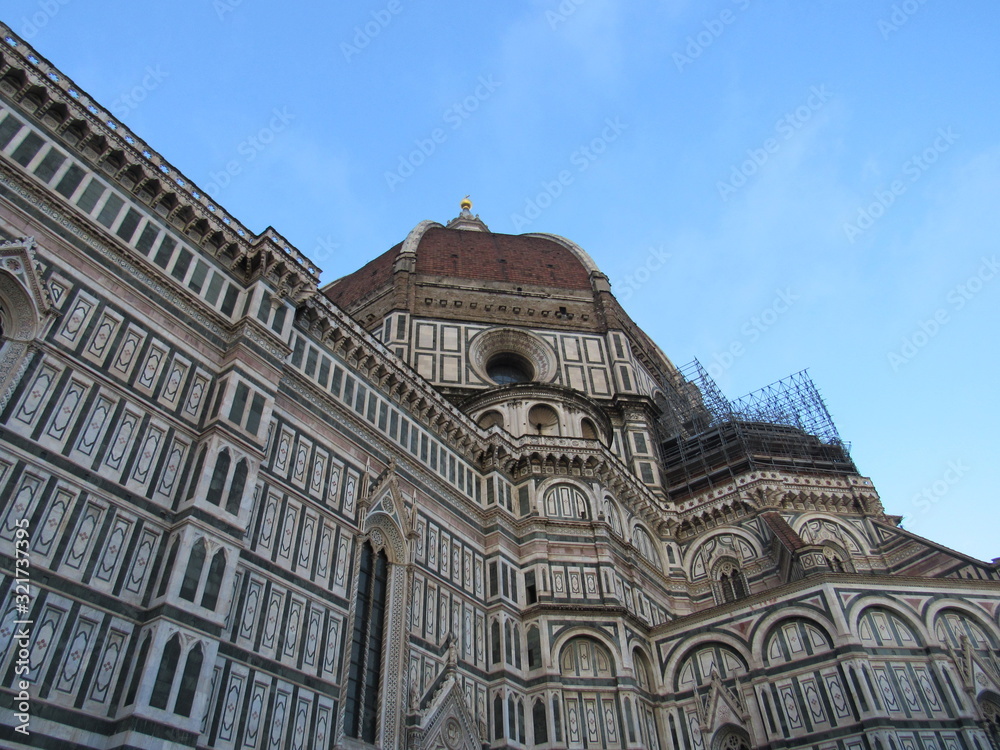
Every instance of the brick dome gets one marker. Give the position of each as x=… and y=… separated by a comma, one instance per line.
x=472, y=254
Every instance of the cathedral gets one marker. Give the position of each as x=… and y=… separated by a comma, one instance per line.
x=455, y=499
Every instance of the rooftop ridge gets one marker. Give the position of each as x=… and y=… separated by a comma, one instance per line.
x=44, y=83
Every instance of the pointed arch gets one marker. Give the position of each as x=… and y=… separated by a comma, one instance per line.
x=613, y=514
x=219, y=476
x=817, y=528
x=727, y=541
x=989, y=708
x=189, y=681
x=168, y=567
x=216, y=572
x=165, y=674
x=642, y=540
x=25, y=309
x=729, y=581
x=374, y=672
x=731, y=737
x=192, y=574
x=235, y=498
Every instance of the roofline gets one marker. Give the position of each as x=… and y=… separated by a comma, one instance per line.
x=578, y=251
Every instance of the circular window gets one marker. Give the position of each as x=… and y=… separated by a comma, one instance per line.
x=506, y=356
x=507, y=367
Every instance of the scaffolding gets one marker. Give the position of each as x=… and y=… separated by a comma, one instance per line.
x=708, y=439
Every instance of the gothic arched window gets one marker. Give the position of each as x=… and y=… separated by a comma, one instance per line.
x=495, y=642
x=364, y=674
x=165, y=674
x=534, y=648
x=989, y=707
x=235, y=498
x=539, y=727
x=168, y=567
x=210, y=597
x=219, y=476
x=192, y=576
x=189, y=682
x=730, y=738
x=837, y=560
x=644, y=544
x=731, y=584
x=140, y=667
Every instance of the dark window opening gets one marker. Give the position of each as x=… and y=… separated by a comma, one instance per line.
x=508, y=367
x=216, y=571
x=165, y=674
x=192, y=575
x=361, y=701
x=189, y=682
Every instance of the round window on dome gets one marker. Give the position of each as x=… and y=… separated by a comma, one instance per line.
x=507, y=368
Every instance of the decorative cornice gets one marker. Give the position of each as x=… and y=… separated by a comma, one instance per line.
x=126, y=262
x=72, y=115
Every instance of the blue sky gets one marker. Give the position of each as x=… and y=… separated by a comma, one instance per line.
x=770, y=186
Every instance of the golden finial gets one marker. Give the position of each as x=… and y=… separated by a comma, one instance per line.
x=466, y=204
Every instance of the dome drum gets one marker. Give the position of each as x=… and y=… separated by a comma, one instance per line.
x=539, y=409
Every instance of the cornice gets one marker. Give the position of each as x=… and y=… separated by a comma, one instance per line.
x=59, y=105
x=762, y=601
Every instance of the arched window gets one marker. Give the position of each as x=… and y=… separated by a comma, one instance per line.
x=165, y=674
x=644, y=544
x=361, y=697
x=216, y=571
x=196, y=474
x=511, y=718
x=508, y=629
x=235, y=498
x=731, y=738
x=534, y=648
x=629, y=722
x=556, y=719
x=140, y=666
x=645, y=716
x=495, y=642
x=731, y=584
x=836, y=559
x=192, y=576
x=611, y=513
x=520, y=721
x=189, y=682
x=498, y=717
x=539, y=726
x=219, y=476
x=989, y=707
x=643, y=674
x=168, y=567
x=587, y=429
